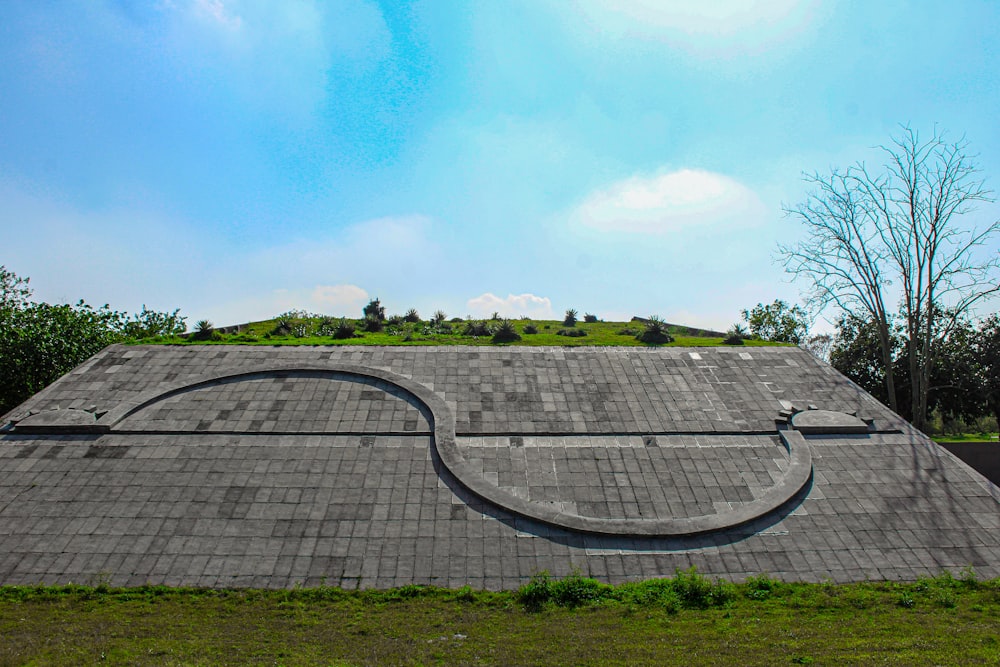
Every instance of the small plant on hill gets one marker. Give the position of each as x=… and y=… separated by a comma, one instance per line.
x=655, y=332
x=204, y=330
x=344, y=329
x=589, y=318
x=570, y=319
x=735, y=335
x=373, y=324
x=374, y=309
x=530, y=329
x=505, y=332
x=572, y=333
x=439, y=317
x=282, y=327
x=477, y=328
x=325, y=326
x=411, y=316
x=628, y=331
x=394, y=321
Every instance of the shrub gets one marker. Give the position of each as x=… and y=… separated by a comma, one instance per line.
x=735, y=336
x=760, y=587
x=534, y=594
x=373, y=324
x=505, y=332
x=572, y=333
x=344, y=329
x=732, y=339
x=495, y=316
x=205, y=330
x=698, y=592
x=374, y=309
x=589, y=318
x=439, y=317
x=456, y=320
x=655, y=332
x=576, y=590
x=570, y=319
x=530, y=329
x=477, y=328
x=394, y=321
x=282, y=327
x=411, y=316
x=628, y=331
x=650, y=593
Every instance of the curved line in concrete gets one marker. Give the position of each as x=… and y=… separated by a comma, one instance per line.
x=797, y=475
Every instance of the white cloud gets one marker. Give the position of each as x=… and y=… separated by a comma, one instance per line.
x=515, y=305
x=348, y=297
x=669, y=202
x=719, y=27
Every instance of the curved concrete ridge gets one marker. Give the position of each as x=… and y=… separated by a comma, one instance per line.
x=797, y=475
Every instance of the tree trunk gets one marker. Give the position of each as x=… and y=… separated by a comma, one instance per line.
x=890, y=379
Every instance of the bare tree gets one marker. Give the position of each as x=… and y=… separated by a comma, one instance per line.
x=900, y=233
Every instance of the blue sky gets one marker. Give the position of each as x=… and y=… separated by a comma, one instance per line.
x=240, y=159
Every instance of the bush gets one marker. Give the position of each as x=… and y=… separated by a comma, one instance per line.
x=411, y=316
x=439, y=317
x=655, y=332
x=651, y=593
x=282, y=327
x=570, y=319
x=373, y=324
x=344, y=329
x=204, y=330
x=374, y=309
x=530, y=329
x=572, y=333
x=537, y=592
x=589, y=318
x=628, y=331
x=761, y=587
x=576, y=590
x=698, y=592
x=505, y=332
x=477, y=328
x=732, y=339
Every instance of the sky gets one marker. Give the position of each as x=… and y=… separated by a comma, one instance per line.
x=239, y=159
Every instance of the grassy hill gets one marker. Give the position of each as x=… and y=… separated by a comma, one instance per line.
x=305, y=329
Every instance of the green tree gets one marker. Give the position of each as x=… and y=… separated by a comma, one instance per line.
x=987, y=346
x=40, y=342
x=777, y=322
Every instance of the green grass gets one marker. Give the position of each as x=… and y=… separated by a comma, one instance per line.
x=575, y=621
x=967, y=437
x=597, y=334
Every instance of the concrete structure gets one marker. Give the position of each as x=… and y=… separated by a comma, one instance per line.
x=377, y=467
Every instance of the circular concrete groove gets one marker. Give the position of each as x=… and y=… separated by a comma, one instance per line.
x=796, y=476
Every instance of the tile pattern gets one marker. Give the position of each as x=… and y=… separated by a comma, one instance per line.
x=374, y=509
x=289, y=403
x=631, y=477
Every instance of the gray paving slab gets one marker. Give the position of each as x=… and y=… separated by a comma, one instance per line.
x=276, y=467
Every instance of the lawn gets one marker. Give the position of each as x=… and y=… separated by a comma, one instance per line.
x=940, y=621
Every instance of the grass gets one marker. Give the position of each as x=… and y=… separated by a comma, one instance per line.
x=597, y=334
x=574, y=621
x=967, y=437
